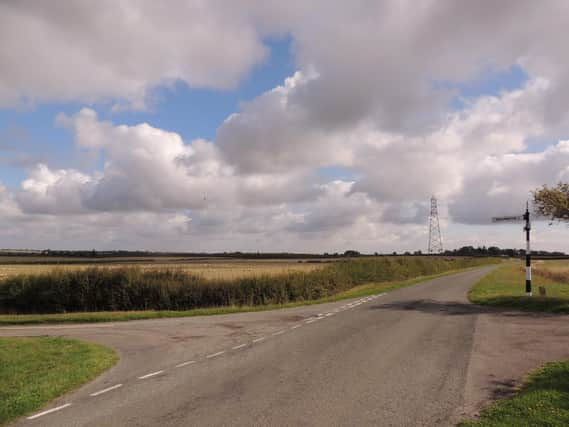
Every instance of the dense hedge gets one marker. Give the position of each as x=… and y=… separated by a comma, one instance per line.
x=104, y=289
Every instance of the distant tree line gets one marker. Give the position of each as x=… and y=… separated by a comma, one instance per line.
x=496, y=251
x=350, y=253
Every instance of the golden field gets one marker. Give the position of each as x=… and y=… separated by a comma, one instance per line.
x=214, y=268
x=557, y=270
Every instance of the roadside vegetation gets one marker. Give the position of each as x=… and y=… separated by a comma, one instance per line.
x=505, y=287
x=35, y=370
x=542, y=401
x=141, y=293
x=118, y=316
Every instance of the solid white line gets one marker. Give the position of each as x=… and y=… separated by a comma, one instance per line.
x=219, y=353
x=259, y=339
x=105, y=390
x=295, y=326
x=150, y=375
x=49, y=411
x=189, y=362
x=237, y=347
x=278, y=333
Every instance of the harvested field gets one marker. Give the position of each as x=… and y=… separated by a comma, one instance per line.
x=217, y=269
x=557, y=270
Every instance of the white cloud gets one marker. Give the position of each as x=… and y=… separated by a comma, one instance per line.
x=150, y=169
x=366, y=96
x=111, y=50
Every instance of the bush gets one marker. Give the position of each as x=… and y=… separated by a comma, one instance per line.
x=103, y=289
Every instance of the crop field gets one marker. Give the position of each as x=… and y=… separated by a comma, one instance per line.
x=557, y=270
x=215, y=269
x=124, y=287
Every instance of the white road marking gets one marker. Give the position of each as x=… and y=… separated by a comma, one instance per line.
x=49, y=411
x=189, y=362
x=278, y=333
x=258, y=339
x=329, y=314
x=237, y=347
x=310, y=321
x=219, y=353
x=295, y=326
x=105, y=390
x=152, y=374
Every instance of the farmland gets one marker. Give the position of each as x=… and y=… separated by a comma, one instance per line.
x=124, y=287
x=555, y=270
x=209, y=268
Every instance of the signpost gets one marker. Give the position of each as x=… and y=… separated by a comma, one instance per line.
x=525, y=217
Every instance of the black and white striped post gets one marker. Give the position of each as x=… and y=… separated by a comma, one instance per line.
x=517, y=218
x=527, y=229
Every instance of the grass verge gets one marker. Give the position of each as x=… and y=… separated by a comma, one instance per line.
x=117, y=316
x=542, y=401
x=35, y=370
x=505, y=287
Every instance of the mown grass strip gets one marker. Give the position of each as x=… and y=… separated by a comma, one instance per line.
x=35, y=370
x=119, y=316
x=542, y=401
x=505, y=287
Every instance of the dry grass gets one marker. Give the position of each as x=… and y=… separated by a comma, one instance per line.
x=557, y=270
x=210, y=269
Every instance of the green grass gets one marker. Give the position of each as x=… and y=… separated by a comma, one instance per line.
x=35, y=370
x=543, y=401
x=117, y=316
x=505, y=287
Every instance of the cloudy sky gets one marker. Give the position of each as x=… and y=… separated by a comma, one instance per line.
x=260, y=125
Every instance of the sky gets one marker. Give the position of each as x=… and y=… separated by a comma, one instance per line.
x=264, y=125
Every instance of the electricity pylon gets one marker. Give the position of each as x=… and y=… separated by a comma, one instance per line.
x=435, y=239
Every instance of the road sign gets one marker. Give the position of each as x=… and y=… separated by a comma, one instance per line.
x=516, y=218
x=513, y=218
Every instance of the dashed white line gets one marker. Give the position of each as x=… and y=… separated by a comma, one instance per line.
x=49, y=411
x=278, y=333
x=105, y=390
x=311, y=321
x=258, y=339
x=237, y=347
x=295, y=326
x=189, y=362
x=152, y=374
x=329, y=314
x=219, y=353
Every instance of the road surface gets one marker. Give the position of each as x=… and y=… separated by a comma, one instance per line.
x=398, y=359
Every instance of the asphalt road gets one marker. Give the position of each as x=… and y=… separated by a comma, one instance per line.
x=390, y=360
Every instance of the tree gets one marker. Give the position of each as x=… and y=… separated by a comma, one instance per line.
x=553, y=202
x=352, y=253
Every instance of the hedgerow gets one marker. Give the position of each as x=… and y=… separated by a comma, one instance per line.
x=132, y=288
